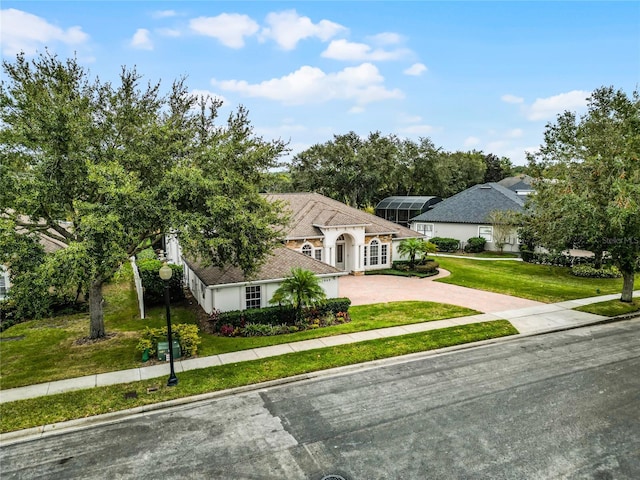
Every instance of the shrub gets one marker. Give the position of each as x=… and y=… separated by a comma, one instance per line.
x=8, y=317
x=147, y=254
x=430, y=266
x=590, y=272
x=154, y=285
x=557, y=259
x=185, y=333
x=446, y=244
x=475, y=245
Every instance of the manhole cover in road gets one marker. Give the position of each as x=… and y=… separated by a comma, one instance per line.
x=333, y=477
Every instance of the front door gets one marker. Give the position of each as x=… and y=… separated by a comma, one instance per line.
x=340, y=256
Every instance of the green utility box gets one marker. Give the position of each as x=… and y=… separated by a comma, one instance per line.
x=163, y=351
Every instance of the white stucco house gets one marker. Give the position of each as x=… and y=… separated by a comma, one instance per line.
x=465, y=215
x=324, y=236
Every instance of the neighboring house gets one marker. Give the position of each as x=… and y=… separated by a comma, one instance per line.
x=465, y=215
x=399, y=209
x=228, y=288
x=324, y=236
x=50, y=245
x=520, y=184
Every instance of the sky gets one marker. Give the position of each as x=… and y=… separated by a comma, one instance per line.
x=476, y=75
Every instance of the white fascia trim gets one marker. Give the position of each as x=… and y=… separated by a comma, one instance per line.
x=271, y=280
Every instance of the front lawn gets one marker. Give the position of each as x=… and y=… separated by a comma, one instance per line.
x=611, y=308
x=535, y=282
x=45, y=350
x=78, y=404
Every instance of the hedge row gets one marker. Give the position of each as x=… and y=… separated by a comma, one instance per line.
x=424, y=265
x=555, y=259
x=278, y=315
x=589, y=272
x=446, y=244
x=475, y=245
x=154, y=285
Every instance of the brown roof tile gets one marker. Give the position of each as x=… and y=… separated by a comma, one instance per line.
x=309, y=211
x=277, y=265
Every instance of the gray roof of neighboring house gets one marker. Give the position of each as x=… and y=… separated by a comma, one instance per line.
x=277, y=265
x=473, y=205
x=310, y=211
x=519, y=182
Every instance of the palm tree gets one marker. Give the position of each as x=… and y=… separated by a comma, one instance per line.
x=415, y=247
x=301, y=289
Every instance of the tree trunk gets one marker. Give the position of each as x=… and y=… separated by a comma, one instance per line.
x=627, y=287
x=597, y=259
x=95, y=310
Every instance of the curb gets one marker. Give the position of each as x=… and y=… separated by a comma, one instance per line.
x=70, y=426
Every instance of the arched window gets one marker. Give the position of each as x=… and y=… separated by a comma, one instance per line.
x=374, y=252
x=307, y=249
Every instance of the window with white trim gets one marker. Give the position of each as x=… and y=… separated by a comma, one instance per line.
x=384, y=254
x=3, y=285
x=307, y=249
x=425, y=228
x=486, y=232
x=318, y=254
x=374, y=246
x=253, y=296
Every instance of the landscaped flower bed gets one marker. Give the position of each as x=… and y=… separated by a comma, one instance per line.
x=278, y=320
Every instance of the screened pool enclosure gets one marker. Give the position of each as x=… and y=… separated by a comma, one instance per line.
x=401, y=209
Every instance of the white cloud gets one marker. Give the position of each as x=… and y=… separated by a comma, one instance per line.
x=362, y=84
x=471, y=141
x=416, y=69
x=359, y=52
x=386, y=38
x=229, y=28
x=416, y=130
x=496, y=146
x=23, y=32
x=164, y=14
x=508, y=98
x=141, y=40
x=357, y=109
x=548, y=108
x=288, y=28
x=515, y=133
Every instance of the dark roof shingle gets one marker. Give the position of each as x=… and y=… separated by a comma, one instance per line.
x=473, y=205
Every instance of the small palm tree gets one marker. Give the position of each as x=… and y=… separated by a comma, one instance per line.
x=415, y=247
x=301, y=289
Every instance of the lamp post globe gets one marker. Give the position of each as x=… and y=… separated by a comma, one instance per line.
x=165, y=273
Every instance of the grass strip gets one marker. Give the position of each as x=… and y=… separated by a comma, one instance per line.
x=612, y=308
x=84, y=403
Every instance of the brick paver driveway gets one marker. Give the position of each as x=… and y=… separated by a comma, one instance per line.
x=367, y=289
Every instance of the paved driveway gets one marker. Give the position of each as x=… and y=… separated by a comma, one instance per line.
x=366, y=289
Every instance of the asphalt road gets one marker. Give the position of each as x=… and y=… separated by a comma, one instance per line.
x=558, y=406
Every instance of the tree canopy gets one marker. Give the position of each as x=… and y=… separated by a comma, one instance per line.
x=362, y=171
x=588, y=188
x=107, y=168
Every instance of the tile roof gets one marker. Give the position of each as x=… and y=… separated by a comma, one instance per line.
x=277, y=265
x=310, y=211
x=473, y=205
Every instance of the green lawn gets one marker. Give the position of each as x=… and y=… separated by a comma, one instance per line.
x=47, y=350
x=535, y=282
x=611, y=308
x=66, y=406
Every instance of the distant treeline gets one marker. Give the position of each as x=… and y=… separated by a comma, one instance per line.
x=362, y=171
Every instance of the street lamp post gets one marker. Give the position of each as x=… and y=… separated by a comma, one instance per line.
x=165, y=274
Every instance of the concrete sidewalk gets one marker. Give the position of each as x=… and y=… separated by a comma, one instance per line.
x=531, y=320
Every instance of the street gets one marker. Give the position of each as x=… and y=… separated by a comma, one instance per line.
x=564, y=405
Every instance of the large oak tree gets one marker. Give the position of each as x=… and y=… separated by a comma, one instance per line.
x=105, y=168
x=588, y=191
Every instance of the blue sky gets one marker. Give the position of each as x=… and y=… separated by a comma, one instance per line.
x=468, y=75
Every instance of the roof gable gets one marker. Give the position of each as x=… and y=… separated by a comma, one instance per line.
x=473, y=205
x=311, y=211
